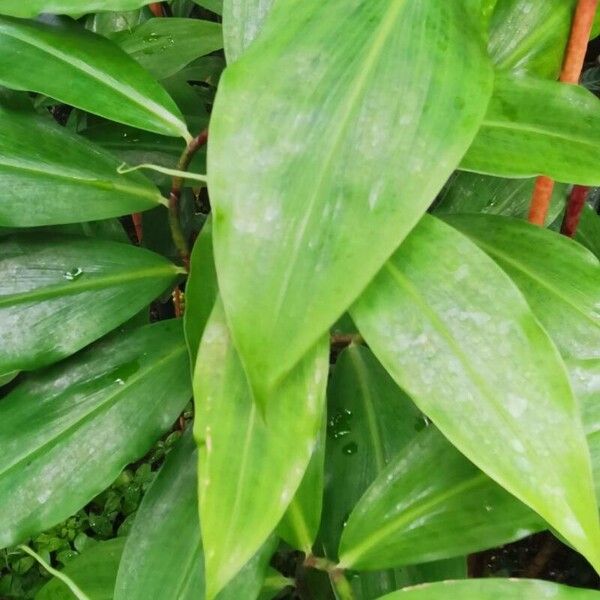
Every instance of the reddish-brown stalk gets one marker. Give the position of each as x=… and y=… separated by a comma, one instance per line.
x=570, y=73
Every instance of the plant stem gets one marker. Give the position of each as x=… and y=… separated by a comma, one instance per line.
x=156, y=8
x=340, y=584
x=570, y=73
x=573, y=211
x=175, y=195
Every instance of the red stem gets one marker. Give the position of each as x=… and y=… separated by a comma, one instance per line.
x=574, y=207
x=570, y=73
x=156, y=8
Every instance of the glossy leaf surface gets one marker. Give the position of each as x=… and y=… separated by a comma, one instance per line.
x=492, y=589
x=456, y=334
x=242, y=22
x=164, y=46
x=67, y=431
x=50, y=175
x=249, y=471
x=94, y=572
x=474, y=193
x=32, y=8
x=431, y=503
x=58, y=294
x=520, y=137
x=346, y=141
x=529, y=37
x=77, y=67
x=200, y=291
x=559, y=278
x=370, y=420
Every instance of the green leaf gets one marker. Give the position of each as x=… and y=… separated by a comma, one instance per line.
x=102, y=79
x=32, y=8
x=215, y=6
x=588, y=232
x=529, y=37
x=242, y=22
x=300, y=524
x=249, y=471
x=455, y=333
x=50, y=176
x=558, y=277
x=474, y=193
x=164, y=46
x=163, y=556
x=520, y=137
x=431, y=503
x=58, y=294
x=200, y=291
x=370, y=420
x=492, y=589
x=67, y=431
x=94, y=572
x=304, y=167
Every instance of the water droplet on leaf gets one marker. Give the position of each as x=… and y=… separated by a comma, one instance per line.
x=73, y=274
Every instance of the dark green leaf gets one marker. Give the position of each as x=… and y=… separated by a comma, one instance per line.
x=456, y=334
x=215, y=5
x=431, y=503
x=164, y=46
x=32, y=8
x=341, y=144
x=588, y=232
x=58, y=294
x=94, y=572
x=66, y=432
x=77, y=67
x=530, y=37
x=474, y=193
x=521, y=137
x=251, y=464
x=370, y=420
x=50, y=175
x=493, y=589
x=200, y=291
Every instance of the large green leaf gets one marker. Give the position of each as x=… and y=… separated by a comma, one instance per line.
x=58, y=294
x=32, y=8
x=67, y=431
x=163, y=556
x=370, y=420
x=431, y=503
x=492, y=589
x=559, y=278
x=94, y=572
x=77, y=67
x=529, y=37
x=249, y=470
x=588, y=232
x=50, y=175
x=521, y=137
x=242, y=21
x=456, y=334
x=319, y=173
x=200, y=291
x=474, y=193
x=300, y=524
x=164, y=46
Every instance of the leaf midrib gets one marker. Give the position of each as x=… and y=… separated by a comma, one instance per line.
x=348, y=559
x=129, y=93
x=108, y=402
x=384, y=29
x=91, y=283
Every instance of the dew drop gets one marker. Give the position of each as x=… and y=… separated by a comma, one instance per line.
x=350, y=449
x=73, y=274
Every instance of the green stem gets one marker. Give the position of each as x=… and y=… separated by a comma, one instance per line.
x=340, y=584
x=175, y=195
